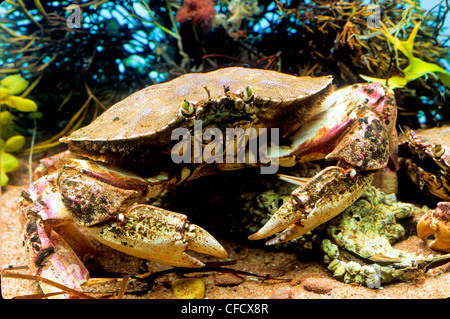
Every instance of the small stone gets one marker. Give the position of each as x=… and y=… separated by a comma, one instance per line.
x=228, y=280
x=282, y=293
x=189, y=288
x=319, y=285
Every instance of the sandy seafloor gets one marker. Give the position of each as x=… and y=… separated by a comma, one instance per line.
x=306, y=279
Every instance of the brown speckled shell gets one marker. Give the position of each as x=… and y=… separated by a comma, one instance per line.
x=148, y=116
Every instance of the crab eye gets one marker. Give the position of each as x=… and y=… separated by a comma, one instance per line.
x=121, y=218
x=410, y=135
x=248, y=94
x=351, y=173
x=187, y=109
x=438, y=150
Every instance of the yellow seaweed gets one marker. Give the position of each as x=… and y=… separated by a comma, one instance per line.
x=416, y=67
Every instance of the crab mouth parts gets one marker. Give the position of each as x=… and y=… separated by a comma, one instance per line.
x=418, y=162
x=427, y=175
x=426, y=164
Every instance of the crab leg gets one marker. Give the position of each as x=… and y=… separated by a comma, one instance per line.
x=49, y=255
x=357, y=131
x=157, y=234
x=110, y=204
x=326, y=195
x=438, y=185
x=55, y=260
x=104, y=200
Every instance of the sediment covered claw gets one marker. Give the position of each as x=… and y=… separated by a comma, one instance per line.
x=436, y=223
x=156, y=234
x=325, y=196
x=92, y=186
x=50, y=256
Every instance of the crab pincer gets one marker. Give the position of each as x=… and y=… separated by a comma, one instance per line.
x=435, y=224
x=326, y=195
x=356, y=129
x=157, y=234
x=124, y=159
x=428, y=165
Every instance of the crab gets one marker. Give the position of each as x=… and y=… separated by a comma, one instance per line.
x=432, y=174
x=436, y=224
x=114, y=165
x=432, y=171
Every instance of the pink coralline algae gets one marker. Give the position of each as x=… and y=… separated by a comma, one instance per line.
x=199, y=12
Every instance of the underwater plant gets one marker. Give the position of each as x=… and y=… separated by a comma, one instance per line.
x=119, y=47
x=11, y=141
x=416, y=67
x=12, y=85
x=9, y=162
x=115, y=48
x=198, y=11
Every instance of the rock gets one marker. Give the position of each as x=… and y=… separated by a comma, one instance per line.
x=227, y=280
x=319, y=285
x=282, y=293
x=189, y=288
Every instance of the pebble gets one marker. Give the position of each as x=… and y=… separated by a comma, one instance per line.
x=189, y=288
x=318, y=285
x=282, y=293
x=228, y=280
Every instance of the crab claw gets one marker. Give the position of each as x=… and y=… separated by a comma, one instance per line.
x=323, y=197
x=156, y=234
x=50, y=257
x=436, y=224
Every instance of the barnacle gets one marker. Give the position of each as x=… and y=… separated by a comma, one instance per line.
x=360, y=246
